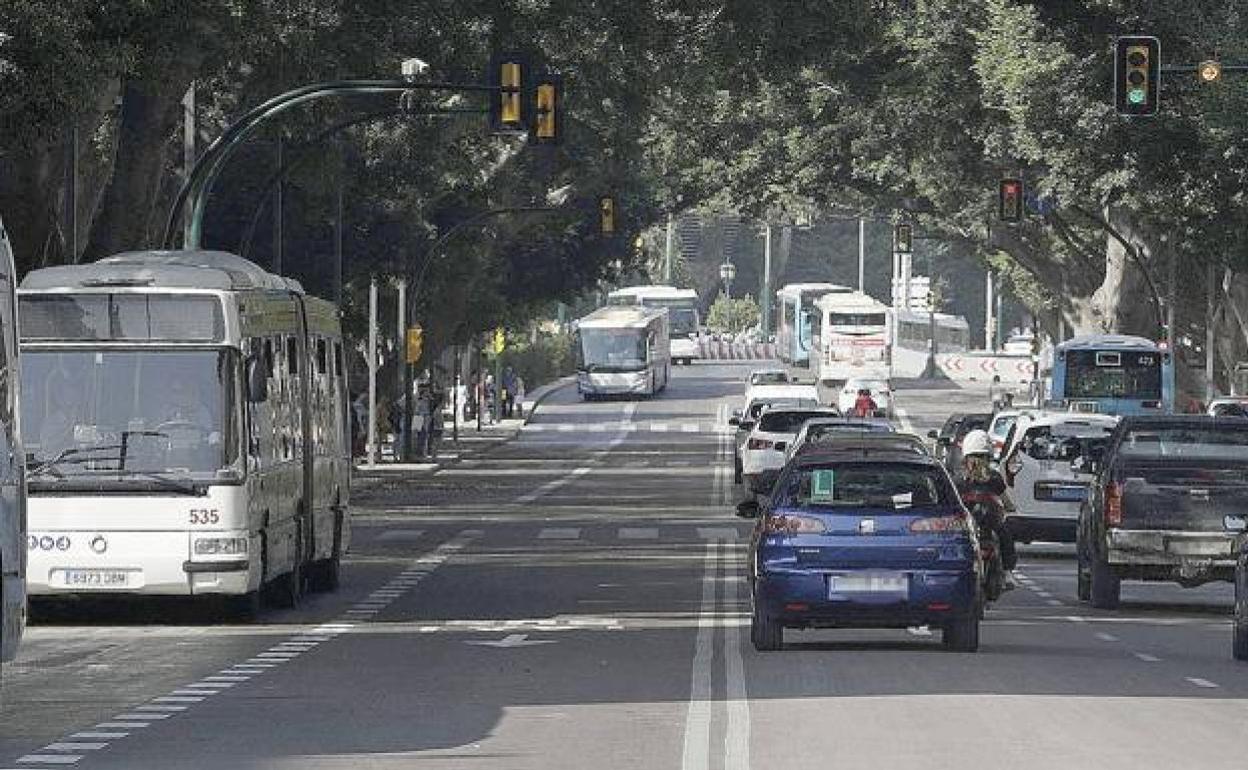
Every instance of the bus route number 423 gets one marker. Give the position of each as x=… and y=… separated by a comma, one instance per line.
x=205, y=516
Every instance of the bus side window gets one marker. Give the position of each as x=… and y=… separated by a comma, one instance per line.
x=268, y=357
x=337, y=359
x=292, y=355
x=322, y=357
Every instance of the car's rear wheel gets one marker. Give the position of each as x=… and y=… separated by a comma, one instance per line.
x=1106, y=587
x=1239, y=637
x=962, y=635
x=766, y=633
x=737, y=471
x=1083, y=581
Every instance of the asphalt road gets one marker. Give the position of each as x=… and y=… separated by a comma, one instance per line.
x=574, y=599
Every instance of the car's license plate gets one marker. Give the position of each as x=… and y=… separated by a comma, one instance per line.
x=96, y=578
x=1069, y=494
x=874, y=583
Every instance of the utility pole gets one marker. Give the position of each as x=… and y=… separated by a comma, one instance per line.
x=372, y=371
x=188, y=148
x=990, y=326
x=339, y=227
x=1172, y=295
x=277, y=213
x=765, y=305
x=862, y=255
x=667, y=249
x=1211, y=311
x=403, y=448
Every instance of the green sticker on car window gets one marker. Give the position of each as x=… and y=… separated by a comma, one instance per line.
x=822, y=485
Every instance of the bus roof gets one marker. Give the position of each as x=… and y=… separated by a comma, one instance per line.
x=1103, y=341
x=621, y=317
x=653, y=291
x=942, y=319
x=854, y=300
x=807, y=289
x=161, y=269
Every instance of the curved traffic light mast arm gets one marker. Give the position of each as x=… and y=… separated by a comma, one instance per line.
x=196, y=188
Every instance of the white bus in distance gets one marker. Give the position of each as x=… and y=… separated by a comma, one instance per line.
x=188, y=423
x=622, y=351
x=12, y=469
x=684, y=321
x=854, y=339
x=797, y=321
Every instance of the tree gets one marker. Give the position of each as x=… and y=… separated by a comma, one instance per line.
x=733, y=314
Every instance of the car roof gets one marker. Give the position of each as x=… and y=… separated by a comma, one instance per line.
x=1051, y=419
x=840, y=419
x=818, y=455
x=787, y=390
x=867, y=441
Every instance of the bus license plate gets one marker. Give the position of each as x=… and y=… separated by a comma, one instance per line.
x=879, y=583
x=97, y=578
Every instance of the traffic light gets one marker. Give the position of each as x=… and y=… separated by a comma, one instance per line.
x=548, y=110
x=903, y=239
x=415, y=344
x=606, y=211
x=1210, y=71
x=508, y=106
x=1137, y=74
x=1010, y=200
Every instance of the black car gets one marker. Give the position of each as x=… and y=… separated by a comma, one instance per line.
x=1239, y=645
x=949, y=437
x=1167, y=504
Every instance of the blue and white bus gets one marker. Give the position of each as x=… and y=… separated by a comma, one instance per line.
x=797, y=319
x=13, y=534
x=1112, y=374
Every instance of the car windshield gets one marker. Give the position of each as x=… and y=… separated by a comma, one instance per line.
x=130, y=411
x=784, y=421
x=769, y=378
x=973, y=422
x=1002, y=425
x=874, y=386
x=886, y=485
x=1221, y=442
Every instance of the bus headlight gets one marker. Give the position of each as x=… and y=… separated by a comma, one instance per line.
x=229, y=545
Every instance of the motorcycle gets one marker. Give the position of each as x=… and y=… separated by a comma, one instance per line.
x=987, y=510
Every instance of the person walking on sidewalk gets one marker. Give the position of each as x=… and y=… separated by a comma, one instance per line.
x=509, y=392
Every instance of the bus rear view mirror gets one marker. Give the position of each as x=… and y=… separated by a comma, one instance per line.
x=257, y=381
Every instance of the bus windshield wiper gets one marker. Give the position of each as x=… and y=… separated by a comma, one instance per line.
x=182, y=484
x=74, y=456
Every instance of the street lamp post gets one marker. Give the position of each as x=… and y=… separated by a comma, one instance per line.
x=727, y=272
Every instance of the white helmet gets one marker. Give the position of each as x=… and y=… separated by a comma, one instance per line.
x=976, y=442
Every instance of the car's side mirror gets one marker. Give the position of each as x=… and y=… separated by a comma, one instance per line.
x=734, y=420
x=748, y=509
x=1235, y=523
x=257, y=381
x=746, y=425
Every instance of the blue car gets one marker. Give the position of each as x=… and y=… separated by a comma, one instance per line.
x=864, y=539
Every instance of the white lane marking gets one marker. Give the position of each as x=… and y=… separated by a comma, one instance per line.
x=1144, y=656
x=1053, y=602
x=51, y=759
x=638, y=533
x=563, y=428
x=195, y=692
x=696, y=754
x=1104, y=637
x=98, y=736
x=658, y=427
x=400, y=535
x=690, y=427
x=121, y=725
x=133, y=716
x=551, y=486
x=919, y=631
x=160, y=708
x=1201, y=682
x=180, y=699
x=1043, y=594
x=75, y=746
x=737, y=738
x=559, y=533
x=718, y=533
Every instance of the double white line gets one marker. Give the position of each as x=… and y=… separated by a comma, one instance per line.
x=718, y=570
x=722, y=492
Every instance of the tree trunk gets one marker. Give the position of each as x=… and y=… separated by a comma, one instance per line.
x=30, y=188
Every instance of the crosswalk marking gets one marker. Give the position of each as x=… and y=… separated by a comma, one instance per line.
x=559, y=533
x=400, y=535
x=639, y=533
x=627, y=427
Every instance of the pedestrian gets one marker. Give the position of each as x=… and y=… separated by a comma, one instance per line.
x=509, y=392
x=421, y=422
x=520, y=396
x=490, y=399
x=359, y=424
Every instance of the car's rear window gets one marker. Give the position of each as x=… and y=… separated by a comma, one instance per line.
x=973, y=422
x=1002, y=425
x=757, y=407
x=1220, y=442
x=827, y=432
x=785, y=421
x=1041, y=443
x=769, y=378
x=890, y=486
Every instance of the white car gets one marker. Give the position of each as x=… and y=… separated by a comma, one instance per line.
x=1228, y=406
x=768, y=377
x=999, y=430
x=760, y=397
x=1045, y=470
x=881, y=393
x=1018, y=345
x=767, y=444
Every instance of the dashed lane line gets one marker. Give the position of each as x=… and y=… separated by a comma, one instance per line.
x=68, y=750
x=1200, y=682
x=1144, y=656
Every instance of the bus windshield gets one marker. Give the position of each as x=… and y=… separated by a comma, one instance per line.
x=128, y=412
x=683, y=320
x=1113, y=374
x=611, y=350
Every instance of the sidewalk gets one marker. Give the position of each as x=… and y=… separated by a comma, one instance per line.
x=471, y=441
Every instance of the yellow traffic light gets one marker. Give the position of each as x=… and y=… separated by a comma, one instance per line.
x=509, y=97
x=508, y=110
x=499, y=343
x=903, y=239
x=606, y=207
x=547, y=117
x=1210, y=71
x=415, y=344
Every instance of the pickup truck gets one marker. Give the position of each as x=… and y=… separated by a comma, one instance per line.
x=1167, y=504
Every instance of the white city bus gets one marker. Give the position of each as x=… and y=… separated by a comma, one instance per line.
x=622, y=351
x=854, y=338
x=12, y=459
x=797, y=320
x=188, y=433
x=914, y=331
x=684, y=321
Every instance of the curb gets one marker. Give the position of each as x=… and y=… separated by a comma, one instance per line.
x=546, y=391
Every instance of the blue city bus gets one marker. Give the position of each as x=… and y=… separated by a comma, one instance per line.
x=797, y=319
x=1112, y=374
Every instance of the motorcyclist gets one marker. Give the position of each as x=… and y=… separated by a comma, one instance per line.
x=864, y=405
x=977, y=479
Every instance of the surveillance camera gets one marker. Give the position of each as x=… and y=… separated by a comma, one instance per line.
x=414, y=68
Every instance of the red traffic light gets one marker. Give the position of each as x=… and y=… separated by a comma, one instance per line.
x=1010, y=203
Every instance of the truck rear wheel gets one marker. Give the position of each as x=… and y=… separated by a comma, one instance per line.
x=1239, y=638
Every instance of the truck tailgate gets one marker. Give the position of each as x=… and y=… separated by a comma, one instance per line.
x=1183, y=497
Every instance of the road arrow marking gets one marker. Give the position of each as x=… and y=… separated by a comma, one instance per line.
x=511, y=640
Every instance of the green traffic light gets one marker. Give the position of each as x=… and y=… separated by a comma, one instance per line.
x=1137, y=95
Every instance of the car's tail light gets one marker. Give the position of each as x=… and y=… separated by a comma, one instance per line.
x=787, y=524
x=940, y=524
x=758, y=443
x=1113, y=503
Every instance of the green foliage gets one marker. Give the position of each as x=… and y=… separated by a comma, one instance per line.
x=545, y=360
x=733, y=314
